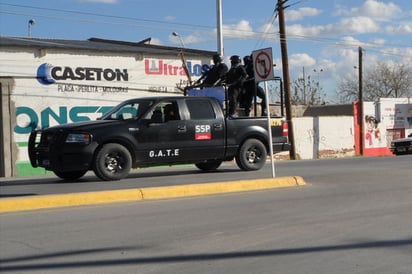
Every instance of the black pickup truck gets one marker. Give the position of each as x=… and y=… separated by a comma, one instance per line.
x=155, y=131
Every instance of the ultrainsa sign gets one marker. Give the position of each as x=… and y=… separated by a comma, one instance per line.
x=162, y=67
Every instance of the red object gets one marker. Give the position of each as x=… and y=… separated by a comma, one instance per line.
x=285, y=129
x=378, y=151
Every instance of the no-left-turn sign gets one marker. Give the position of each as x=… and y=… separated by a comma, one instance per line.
x=263, y=64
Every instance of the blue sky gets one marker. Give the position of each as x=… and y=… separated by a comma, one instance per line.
x=323, y=35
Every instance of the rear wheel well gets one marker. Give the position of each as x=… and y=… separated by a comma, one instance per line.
x=258, y=137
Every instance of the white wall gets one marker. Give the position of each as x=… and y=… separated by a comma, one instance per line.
x=323, y=137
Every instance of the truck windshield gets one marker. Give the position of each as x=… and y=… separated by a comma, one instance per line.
x=128, y=110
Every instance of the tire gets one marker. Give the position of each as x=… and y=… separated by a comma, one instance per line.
x=209, y=165
x=251, y=155
x=70, y=175
x=112, y=162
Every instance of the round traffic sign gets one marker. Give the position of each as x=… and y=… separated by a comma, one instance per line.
x=263, y=65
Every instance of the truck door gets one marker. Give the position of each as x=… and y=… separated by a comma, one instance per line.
x=170, y=135
x=161, y=134
x=205, y=129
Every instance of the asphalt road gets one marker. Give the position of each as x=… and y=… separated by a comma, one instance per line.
x=353, y=216
x=147, y=177
x=310, y=170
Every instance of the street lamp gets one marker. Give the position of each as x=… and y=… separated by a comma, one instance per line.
x=180, y=38
x=182, y=56
x=31, y=23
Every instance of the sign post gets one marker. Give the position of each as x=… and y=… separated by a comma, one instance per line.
x=263, y=71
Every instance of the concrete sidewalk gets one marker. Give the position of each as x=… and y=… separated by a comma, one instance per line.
x=140, y=194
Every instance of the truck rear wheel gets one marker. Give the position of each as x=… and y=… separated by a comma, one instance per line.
x=209, y=165
x=112, y=162
x=70, y=175
x=251, y=155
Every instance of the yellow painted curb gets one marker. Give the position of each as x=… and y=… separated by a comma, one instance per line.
x=150, y=193
x=223, y=187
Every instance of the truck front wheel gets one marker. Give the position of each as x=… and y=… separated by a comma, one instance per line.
x=112, y=162
x=251, y=155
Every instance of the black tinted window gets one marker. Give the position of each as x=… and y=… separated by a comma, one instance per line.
x=200, y=109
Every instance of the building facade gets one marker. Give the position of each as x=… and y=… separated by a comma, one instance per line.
x=46, y=82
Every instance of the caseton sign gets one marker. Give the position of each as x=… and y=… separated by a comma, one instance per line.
x=48, y=74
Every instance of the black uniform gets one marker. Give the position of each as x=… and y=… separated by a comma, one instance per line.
x=214, y=75
x=235, y=78
x=251, y=88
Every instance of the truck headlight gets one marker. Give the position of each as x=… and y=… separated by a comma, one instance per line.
x=79, y=138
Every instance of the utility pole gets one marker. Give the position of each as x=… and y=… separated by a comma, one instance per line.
x=360, y=99
x=219, y=27
x=286, y=77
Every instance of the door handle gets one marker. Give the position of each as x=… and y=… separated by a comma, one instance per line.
x=217, y=126
x=181, y=128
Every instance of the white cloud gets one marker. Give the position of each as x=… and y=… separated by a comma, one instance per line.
x=353, y=25
x=349, y=41
x=268, y=29
x=294, y=15
x=301, y=60
x=359, y=24
x=405, y=28
x=379, y=41
x=378, y=10
x=302, y=31
x=243, y=29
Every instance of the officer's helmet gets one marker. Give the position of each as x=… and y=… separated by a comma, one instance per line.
x=217, y=58
x=235, y=59
x=247, y=59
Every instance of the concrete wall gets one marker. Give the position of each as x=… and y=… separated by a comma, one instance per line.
x=324, y=137
x=8, y=149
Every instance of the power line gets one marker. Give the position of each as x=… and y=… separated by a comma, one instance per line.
x=106, y=15
x=53, y=17
x=261, y=36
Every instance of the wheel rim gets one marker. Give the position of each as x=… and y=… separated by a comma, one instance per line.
x=114, y=162
x=253, y=155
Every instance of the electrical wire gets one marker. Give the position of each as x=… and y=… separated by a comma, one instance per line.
x=106, y=15
x=261, y=36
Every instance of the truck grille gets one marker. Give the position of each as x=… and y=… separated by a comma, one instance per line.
x=43, y=138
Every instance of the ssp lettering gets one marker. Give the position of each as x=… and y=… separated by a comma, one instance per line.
x=203, y=132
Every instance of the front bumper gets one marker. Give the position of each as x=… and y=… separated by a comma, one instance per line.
x=50, y=151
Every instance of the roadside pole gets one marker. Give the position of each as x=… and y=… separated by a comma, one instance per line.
x=263, y=71
x=272, y=162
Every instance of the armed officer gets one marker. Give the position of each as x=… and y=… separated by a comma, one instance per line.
x=214, y=75
x=235, y=78
x=251, y=88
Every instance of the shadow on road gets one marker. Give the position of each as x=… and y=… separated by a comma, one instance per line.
x=24, y=263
